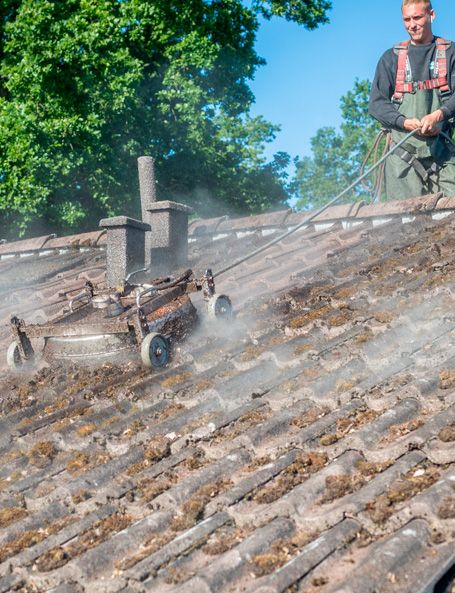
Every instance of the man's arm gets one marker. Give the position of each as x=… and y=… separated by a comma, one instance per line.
x=448, y=108
x=382, y=89
x=430, y=122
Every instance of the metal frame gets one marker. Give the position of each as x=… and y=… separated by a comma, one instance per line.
x=135, y=306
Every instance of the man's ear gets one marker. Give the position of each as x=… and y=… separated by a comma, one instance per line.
x=432, y=15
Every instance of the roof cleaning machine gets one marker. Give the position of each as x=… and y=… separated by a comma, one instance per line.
x=106, y=325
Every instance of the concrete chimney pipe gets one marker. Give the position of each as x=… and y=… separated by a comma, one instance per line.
x=147, y=185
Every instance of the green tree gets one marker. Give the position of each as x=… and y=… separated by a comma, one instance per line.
x=88, y=86
x=310, y=13
x=337, y=155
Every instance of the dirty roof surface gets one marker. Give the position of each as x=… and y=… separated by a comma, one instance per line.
x=308, y=446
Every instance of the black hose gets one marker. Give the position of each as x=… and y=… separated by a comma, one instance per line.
x=318, y=212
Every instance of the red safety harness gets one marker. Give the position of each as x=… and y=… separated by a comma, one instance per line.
x=441, y=82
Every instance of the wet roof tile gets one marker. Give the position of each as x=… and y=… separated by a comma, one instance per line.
x=205, y=226
x=295, y=448
x=25, y=245
x=92, y=239
x=260, y=221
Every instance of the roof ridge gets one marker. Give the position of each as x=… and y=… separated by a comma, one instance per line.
x=358, y=210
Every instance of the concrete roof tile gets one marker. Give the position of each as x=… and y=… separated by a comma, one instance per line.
x=342, y=211
x=411, y=206
x=92, y=239
x=26, y=245
x=322, y=421
x=204, y=226
x=258, y=221
x=446, y=204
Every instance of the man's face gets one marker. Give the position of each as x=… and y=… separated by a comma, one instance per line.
x=417, y=19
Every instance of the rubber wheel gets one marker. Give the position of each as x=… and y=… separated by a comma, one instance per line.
x=155, y=351
x=220, y=307
x=13, y=357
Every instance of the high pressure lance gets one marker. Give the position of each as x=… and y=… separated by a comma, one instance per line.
x=324, y=208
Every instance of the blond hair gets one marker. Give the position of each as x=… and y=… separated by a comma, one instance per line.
x=426, y=3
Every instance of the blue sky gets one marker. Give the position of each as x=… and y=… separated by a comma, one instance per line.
x=308, y=72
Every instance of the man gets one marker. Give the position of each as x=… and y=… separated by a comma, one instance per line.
x=412, y=89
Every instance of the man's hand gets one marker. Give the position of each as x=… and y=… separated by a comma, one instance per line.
x=430, y=123
x=412, y=124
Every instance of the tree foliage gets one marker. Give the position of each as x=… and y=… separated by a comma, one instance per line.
x=87, y=86
x=337, y=155
x=310, y=13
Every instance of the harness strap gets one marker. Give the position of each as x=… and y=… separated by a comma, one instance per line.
x=400, y=81
x=441, y=60
x=404, y=85
x=414, y=162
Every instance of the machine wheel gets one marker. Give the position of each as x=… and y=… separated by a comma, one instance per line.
x=220, y=306
x=13, y=357
x=155, y=351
